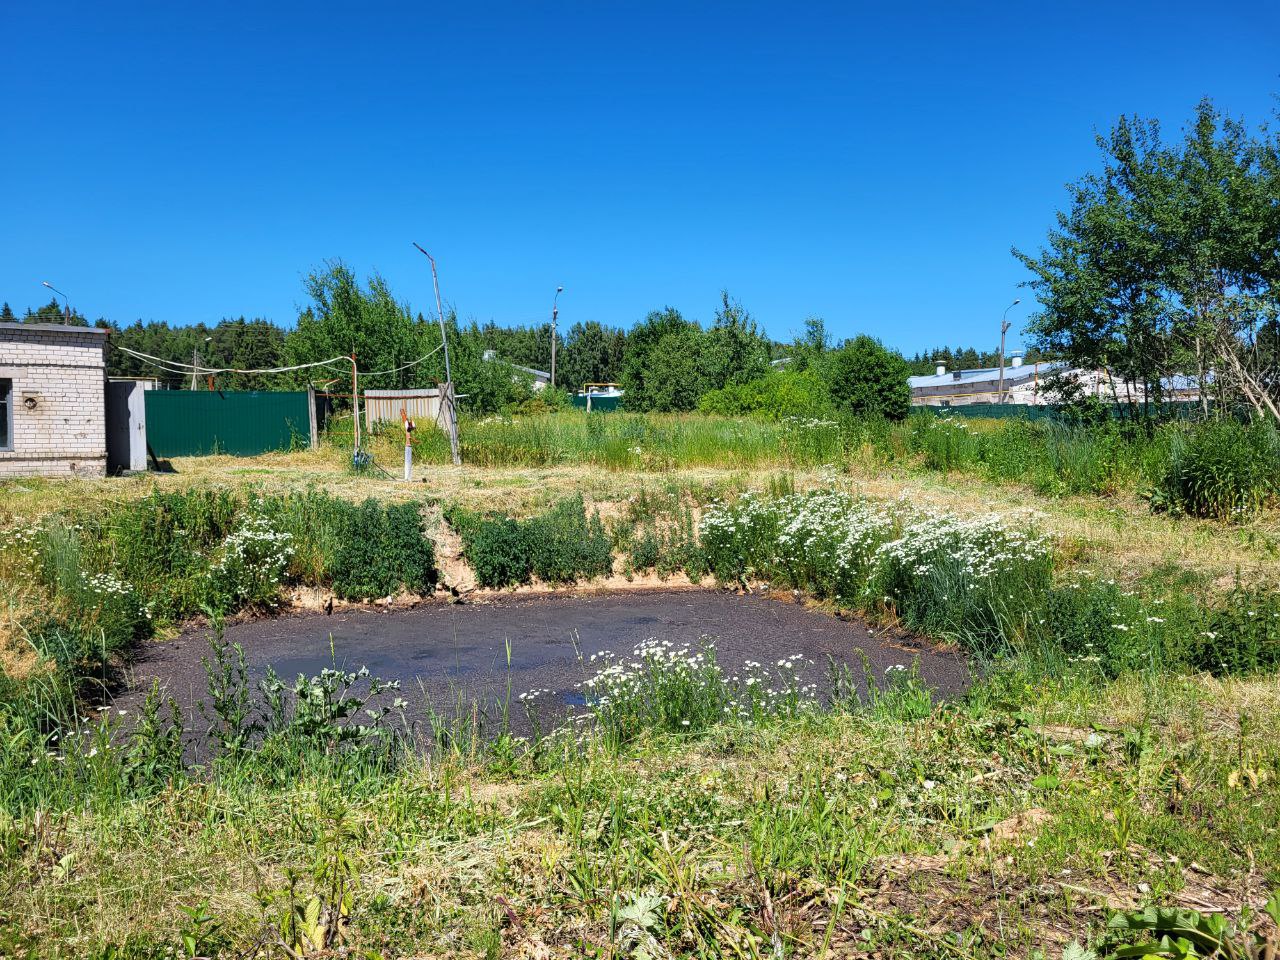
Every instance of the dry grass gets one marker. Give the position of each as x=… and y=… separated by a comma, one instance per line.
x=19, y=600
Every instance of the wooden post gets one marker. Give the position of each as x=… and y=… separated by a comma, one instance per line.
x=408, y=444
x=355, y=408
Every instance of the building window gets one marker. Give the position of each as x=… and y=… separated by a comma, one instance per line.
x=6, y=414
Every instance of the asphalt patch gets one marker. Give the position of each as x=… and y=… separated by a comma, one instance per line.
x=449, y=656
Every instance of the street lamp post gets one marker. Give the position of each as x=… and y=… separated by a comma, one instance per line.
x=555, y=312
x=66, y=304
x=1004, y=328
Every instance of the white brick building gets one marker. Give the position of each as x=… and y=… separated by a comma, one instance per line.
x=52, y=400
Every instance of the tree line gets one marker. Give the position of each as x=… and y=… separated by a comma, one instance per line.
x=964, y=358
x=51, y=312
x=665, y=363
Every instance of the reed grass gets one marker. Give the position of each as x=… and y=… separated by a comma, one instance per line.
x=640, y=442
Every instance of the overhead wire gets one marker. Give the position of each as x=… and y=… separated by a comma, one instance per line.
x=405, y=366
x=179, y=366
x=200, y=369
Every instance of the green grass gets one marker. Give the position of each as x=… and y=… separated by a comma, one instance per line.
x=636, y=442
x=1119, y=743
x=1218, y=468
x=989, y=826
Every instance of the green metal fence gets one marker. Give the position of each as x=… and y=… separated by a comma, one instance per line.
x=186, y=423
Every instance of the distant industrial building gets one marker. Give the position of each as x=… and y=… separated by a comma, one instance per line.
x=1036, y=384
x=52, y=400
x=1023, y=383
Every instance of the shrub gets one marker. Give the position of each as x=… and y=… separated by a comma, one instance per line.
x=775, y=397
x=162, y=543
x=644, y=548
x=867, y=379
x=566, y=544
x=498, y=550
x=559, y=546
x=969, y=579
x=411, y=556
x=667, y=545
x=251, y=565
x=826, y=543
x=739, y=538
x=382, y=550
x=547, y=400
x=789, y=539
x=681, y=550
x=1221, y=469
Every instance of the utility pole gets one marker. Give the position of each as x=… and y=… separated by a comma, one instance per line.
x=555, y=312
x=195, y=363
x=446, y=394
x=1004, y=328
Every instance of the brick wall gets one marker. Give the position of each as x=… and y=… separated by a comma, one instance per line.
x=58, y=400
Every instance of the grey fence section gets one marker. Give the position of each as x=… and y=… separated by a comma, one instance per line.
x=382, y=406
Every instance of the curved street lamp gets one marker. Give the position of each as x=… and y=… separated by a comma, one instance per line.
x=1004, y=328
x=555, y=312
x=65, y=303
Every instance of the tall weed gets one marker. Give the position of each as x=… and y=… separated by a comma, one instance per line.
x=1221, y=469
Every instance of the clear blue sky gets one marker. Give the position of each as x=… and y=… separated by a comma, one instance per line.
x=872, y=166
